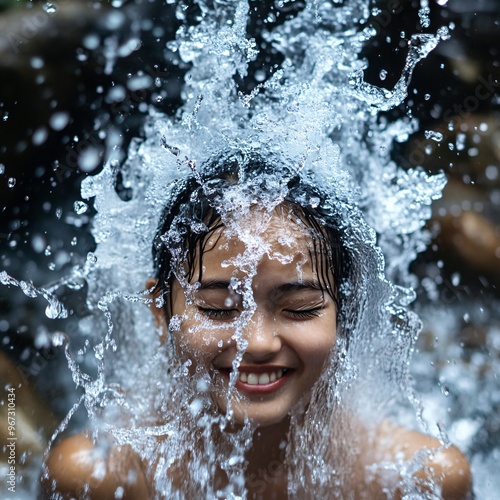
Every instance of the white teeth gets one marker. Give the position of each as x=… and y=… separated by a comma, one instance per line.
x=260, y=379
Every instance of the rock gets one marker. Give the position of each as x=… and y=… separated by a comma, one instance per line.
x=33, y=421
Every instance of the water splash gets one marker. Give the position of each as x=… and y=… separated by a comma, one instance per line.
x=55, y=308
x=314, y=111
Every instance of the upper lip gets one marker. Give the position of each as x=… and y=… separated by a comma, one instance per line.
x=257, y=368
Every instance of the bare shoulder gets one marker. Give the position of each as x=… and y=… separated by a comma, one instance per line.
x=427, y=462
x=77, y=468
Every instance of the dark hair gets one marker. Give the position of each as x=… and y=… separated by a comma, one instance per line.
x=194, y=213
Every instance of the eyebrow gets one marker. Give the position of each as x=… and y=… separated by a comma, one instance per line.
x=294, y=286
x=214, y=284
x=298, y=286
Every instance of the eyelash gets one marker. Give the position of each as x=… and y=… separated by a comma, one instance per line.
x=217, y=313
x=304, y=314
x=221, y=314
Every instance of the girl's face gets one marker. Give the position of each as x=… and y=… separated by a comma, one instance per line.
x=284, y=339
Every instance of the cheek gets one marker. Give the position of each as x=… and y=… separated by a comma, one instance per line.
x=318, y=356
x=316, y=349
x=198, y=341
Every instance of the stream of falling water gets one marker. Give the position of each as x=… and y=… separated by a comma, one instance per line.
x=313, y=111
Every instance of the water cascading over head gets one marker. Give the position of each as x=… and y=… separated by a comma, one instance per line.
x=313, y=113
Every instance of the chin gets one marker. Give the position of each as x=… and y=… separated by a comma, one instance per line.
x=258, y=417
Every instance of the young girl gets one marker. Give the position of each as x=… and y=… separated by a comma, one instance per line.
x=272, y=309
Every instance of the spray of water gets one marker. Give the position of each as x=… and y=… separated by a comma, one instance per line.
x=316, y=113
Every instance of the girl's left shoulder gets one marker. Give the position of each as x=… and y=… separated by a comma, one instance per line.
x=426, y=463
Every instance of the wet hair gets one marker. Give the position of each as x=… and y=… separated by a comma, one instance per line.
x=194, y=213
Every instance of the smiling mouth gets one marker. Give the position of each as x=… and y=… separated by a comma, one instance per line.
x=265, y=378
x=261, y=381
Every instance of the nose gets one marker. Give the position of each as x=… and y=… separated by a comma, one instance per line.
x=262, y=336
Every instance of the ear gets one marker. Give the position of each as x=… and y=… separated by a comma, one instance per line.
x=158, y=312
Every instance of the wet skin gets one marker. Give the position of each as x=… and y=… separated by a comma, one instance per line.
x=288, y=334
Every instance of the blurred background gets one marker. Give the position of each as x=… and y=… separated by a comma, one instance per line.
x=77, y=79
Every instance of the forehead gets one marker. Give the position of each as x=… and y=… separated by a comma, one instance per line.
x=259, y=239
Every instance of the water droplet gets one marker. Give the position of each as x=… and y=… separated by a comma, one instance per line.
x=159, y=302
x=40, y=136
x=491, y=172
x=314, y=202
x=116, y=94
x=49, y=7
x=59, y=339
x=42, y=339
x=99, y=351
x=37, y=62
x=202, y=385
x=195, y=407
x=80, y=207
x=28, y=289
x=11, y=182
x=91, y=41
x=59, y=120
x=114, y=20
x=259, y=76
x=140, y=82
x=435, y=136
x=383, y=74
x=55, y=309
x=460, y=141
x=38, y=243
x=423, y=14
x=74, y=241
x=89, y=159
x=2, y=168
x=91, y=258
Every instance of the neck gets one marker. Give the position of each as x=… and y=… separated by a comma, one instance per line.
x=268, y=444
x=266, y=471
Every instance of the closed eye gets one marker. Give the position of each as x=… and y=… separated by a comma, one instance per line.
x=218, y=314
x=303, y=313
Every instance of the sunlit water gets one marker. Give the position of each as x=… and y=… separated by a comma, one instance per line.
x=314, y=111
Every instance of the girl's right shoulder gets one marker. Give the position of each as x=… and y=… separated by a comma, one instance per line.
x=79, y=468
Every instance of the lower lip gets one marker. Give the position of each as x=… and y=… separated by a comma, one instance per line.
x=261, y=389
